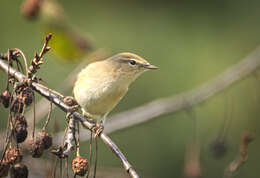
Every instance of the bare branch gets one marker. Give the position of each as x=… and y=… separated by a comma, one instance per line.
x=52, y=96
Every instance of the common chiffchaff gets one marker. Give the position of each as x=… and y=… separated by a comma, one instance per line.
x=101, y=85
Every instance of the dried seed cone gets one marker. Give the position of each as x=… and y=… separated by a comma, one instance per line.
x=36, y=148
x=80, y=166
x=5, y=96
x=20, y=129
x=219, y=148
x=17, y=107
x=26, y=96
x=4, y=168
x=45, y=138
x=19, y=171
x=12, y=156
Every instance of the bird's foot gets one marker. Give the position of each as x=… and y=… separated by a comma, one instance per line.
x=73, y=105
x=71, y=102
x=97, y=129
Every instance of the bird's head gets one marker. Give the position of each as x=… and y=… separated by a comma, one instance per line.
x=129, y=64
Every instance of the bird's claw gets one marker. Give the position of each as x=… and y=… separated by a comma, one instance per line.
x=98, y=129
x=71, y=102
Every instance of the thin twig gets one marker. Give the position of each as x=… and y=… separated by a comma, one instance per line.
x=241, y=158
x=33, y=131
x=96, y=157
x=24, y=58
x=48, y=117
x=37, y=60
x=55, y=166
x=90, y=153
x=67, y=166
x=61, y=168
x=8, y=74
x=77, y=141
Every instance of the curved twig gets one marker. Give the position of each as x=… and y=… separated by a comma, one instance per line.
x=24, y=58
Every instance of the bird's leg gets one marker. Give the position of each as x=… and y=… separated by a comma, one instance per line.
x=98, y=128
x=72, y=103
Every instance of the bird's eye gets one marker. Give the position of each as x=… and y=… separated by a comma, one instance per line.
x=132, y=62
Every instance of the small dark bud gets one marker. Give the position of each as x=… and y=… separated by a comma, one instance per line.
x=48, y=37
x=218, y=148
x=5, y=96
x=4, y=168
x=12, y=156
x=36, y=55
x=47, y=48
x=19, y=171
x=20, y=129
x=80, y=166
x=36, y=148
x=45, y=138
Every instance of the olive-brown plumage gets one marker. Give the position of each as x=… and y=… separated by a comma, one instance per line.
x=101, y=85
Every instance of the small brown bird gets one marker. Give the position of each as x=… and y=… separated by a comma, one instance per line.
x=101, y=85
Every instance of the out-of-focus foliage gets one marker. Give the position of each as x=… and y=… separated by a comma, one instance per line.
x=191, y=42
x=67, y=44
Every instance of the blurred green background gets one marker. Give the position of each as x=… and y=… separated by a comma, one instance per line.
x=191, y=42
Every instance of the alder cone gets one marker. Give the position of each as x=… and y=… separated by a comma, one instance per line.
x=20, y=129
x=80, y=166
x=36, y=148
x=12, y=156
x=19, y=171
x=26, y=96
x=45, y=138
x=4, y=169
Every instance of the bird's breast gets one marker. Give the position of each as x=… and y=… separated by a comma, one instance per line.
x=98, y=96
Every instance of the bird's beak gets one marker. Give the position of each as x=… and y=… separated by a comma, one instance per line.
x=149, y=66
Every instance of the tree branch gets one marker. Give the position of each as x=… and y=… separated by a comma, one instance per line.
x=50, y=95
